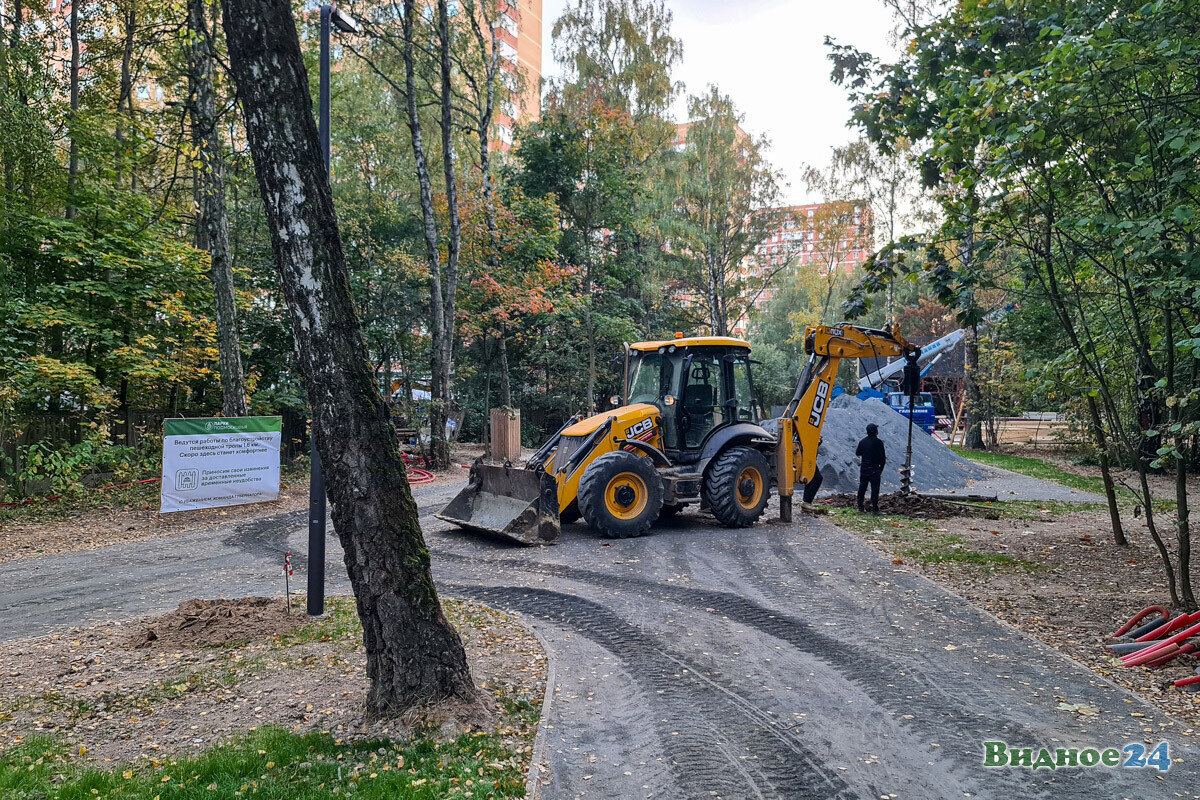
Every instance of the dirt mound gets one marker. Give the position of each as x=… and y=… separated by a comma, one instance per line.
x=907, y=505
x=218, y=623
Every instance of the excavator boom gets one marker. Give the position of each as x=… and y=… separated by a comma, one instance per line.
x=800, y=427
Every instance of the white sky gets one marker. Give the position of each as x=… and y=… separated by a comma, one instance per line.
x=769, y=56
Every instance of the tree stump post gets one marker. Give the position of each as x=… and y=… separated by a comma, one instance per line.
x=506, y=434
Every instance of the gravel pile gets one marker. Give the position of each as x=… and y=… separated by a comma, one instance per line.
x=936, y=468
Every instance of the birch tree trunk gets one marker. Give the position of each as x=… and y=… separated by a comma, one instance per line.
x=485, y=108
x=973, y=437
x=438, y=324
x=214, y=224
x=414, y=656
x=440, y=407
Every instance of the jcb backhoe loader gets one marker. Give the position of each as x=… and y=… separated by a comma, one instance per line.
x=687, y=430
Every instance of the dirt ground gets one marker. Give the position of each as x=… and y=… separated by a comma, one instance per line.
x=213, y=669
x=1050, y=571
x=136, y=518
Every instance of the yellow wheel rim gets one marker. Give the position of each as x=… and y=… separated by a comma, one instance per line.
x=626, y=495
x=749, y=487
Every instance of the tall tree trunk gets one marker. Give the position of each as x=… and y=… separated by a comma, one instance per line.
x=73, y=157
x=1183, y=528
x=1163, y=553
x=973, y=434
x=714, y=301
x=414, y=656
x=125, y=94
x=214, y=222
x=440, y=446
x=483, y=126
x=1110, y=492
x=588, y=324
x=1183, y=532
x=973, y=437
x=440, y=346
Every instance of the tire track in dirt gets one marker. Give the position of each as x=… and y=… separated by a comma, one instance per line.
x=696, y=715
x=935, y=711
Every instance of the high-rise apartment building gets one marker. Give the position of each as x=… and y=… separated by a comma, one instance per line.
x=519, y=38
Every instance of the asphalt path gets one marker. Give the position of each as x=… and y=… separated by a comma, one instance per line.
x=780, y=661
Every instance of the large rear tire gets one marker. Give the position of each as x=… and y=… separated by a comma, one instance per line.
x=737, y=487
x=620, y=494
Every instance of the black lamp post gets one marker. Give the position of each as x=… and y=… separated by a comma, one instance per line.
x=330, y=16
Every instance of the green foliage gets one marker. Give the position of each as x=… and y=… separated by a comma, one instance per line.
x=620, y=50
x=721, y=186
x=1060, y=141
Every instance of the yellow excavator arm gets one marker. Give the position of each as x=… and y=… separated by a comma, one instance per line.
x=800, y=427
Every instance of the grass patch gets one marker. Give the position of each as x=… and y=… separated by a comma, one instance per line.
x=921, y=540
x=948, y=548
x=274, y=763
x=1036, y=468
x=868, y=523
x=340, y=621
x=1035, y=509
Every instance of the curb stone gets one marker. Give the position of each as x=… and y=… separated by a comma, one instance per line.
x=539, y=763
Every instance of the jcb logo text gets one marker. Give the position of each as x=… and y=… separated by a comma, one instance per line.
x=818, y=410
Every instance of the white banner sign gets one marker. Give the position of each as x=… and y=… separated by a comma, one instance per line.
x=220, y=461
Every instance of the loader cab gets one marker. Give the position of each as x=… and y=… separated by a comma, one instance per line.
x=698, y=384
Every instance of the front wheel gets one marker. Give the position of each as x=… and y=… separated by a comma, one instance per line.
x=736, y=487
x=620, y=494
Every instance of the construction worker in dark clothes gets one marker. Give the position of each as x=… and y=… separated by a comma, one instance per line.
x=870, y=469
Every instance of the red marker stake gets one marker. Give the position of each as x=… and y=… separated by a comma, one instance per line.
x=287, y=579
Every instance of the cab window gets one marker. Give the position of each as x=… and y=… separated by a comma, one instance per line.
x=704, y=398
x=645, y=379
x=747, y=405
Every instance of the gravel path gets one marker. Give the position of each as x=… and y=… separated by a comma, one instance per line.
x=781, y=661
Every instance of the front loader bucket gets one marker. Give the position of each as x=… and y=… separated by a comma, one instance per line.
x=515, y=503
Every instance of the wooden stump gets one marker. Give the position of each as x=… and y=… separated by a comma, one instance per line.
x=506, y=434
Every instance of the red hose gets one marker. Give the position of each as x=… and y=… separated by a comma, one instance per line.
x=1160, y=657
x=1138, y=617
x=1172, y=626
x=1142, y=656
x=1167, y=657
x=1179, y=684
x=416, y=476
